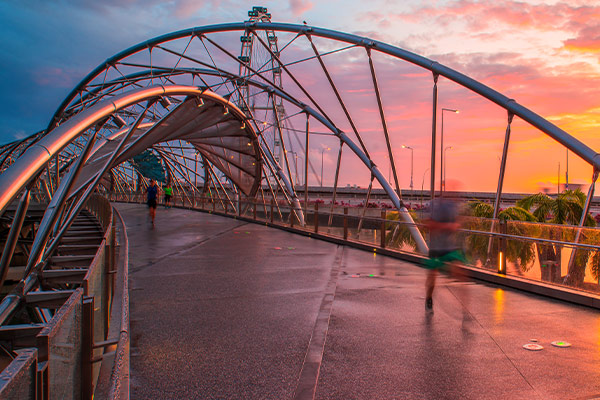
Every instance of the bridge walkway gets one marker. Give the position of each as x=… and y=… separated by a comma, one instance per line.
x=224, y=309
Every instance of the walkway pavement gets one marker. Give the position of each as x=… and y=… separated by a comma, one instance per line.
x=223, y=309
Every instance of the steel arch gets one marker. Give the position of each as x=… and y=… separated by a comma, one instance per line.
x=24, y=170
x=86, y=95
x=513, y=107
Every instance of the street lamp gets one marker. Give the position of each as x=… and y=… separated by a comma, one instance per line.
x=422, y=183
x=389, y=169
x=323, y=150
x=445, y=161
x=411, y=165
x=442, y=148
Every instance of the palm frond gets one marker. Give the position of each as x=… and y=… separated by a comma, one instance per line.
x=537, y=200
x=480, y=209
x=517, y=213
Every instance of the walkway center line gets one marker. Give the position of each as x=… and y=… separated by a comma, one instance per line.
x=309, y=375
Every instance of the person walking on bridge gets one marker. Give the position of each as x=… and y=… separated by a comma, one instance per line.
x=152, y=194
x=168, y=195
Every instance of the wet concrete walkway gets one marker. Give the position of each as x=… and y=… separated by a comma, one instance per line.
x=223, y=309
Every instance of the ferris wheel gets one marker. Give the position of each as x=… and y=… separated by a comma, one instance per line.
x=259, y=55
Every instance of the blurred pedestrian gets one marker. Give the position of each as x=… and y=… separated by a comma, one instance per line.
x=152, y=195
x=444, y=252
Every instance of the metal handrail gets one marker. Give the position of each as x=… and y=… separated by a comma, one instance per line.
x=119, y=379
x=499, y=235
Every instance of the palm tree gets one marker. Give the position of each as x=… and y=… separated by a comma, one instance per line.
x=397, y=233
x=521, y=253
x=565, y=209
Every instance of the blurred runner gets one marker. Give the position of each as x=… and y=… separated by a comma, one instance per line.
x=444, y=251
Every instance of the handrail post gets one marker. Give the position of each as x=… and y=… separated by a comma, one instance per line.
x=272, y=202
x=316, y=217
x=502, y=248
x=383, y=229
x=254, y=211
x=292, y=215
x=43, y=381
x=345, y=223
x=87, y=347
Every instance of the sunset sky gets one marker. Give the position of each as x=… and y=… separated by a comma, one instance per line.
x=544, y=54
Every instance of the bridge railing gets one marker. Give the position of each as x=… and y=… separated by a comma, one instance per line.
x=63, y=359
x=60, y=352
x=98, y=286
x=23, y=372
x=537, y=252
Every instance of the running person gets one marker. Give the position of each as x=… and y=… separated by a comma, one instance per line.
x=168, y=195
x=443, y=247
x=152, y=193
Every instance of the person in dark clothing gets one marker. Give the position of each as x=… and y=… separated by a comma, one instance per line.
x=152, y=195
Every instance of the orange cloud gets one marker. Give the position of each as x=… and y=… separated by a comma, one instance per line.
x=588, y=40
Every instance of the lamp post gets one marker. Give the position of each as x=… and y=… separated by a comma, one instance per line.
x=445, y=161
x=389, y=168
x=323, y=150
x=442, y=148
x=422, y=182
x=411, y=165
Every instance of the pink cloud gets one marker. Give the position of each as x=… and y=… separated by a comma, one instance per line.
x=477, y=132
x=480, y=15
x=299, y=7
x=56, y=77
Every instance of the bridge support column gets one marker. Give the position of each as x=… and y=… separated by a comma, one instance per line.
x=586, y=208
x=500, y=184
x=433, y=134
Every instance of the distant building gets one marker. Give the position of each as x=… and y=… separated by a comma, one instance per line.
x=549, y=188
